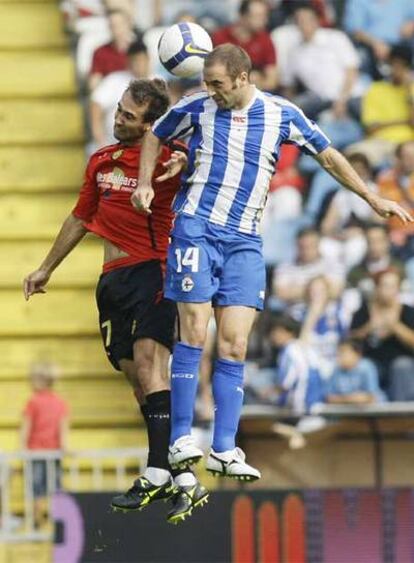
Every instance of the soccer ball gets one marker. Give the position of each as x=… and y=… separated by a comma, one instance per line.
x=183, y=47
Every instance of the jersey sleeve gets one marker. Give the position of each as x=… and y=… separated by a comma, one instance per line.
x=177, y=121
x=88, y=199
x=303, y=132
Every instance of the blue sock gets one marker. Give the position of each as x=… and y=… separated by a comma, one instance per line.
x=184, y=382
x=228, y=401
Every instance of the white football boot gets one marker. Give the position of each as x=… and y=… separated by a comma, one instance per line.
x=231, y=463
x=184, y=452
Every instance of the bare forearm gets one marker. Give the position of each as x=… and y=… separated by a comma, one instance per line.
x=338, y=167
x=149, y=154
x=69, y=236
x=348, y=85
x=404, y=334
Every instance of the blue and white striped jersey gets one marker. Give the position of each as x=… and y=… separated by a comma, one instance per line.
x=232, y=154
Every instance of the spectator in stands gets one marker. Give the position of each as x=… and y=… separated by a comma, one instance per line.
x=291, y=280
x=44, y=427
x=250, y=33
x=388, y=110
x=376, y=26
x=378, y=258
x=325, y=63
x=112, y=57
x=386, y=328
x=355, y=378
x=398, y=183
x=298, y=379
x=324, y=324
x=346, y=215
x=282, y=10
x=105, y=97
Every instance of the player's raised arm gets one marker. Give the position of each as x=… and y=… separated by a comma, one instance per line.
x=337, y=165
x=144, y=193
x=70, y=234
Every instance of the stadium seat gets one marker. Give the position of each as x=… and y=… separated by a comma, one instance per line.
x=30, y=26
x=24, y=217
x=34, y=74
x=76, y=356
x=69, y=312
x=81, y=269
x=40, y=122
x=40, y=169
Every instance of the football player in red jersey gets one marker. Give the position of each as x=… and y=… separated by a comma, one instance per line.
x=136, y=321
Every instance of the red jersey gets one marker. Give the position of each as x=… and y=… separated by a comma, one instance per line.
x=107, y=59
x=259, y=47
x=45, y=410
x=105, y=207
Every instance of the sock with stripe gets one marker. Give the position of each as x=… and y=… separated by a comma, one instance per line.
x=184, y=383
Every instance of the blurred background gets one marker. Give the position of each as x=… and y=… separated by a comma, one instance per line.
x=329, y=410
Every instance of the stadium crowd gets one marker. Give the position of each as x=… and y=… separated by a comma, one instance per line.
x=338, y=326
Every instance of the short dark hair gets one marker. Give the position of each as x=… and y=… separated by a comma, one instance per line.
x=136, y=47
x=152, y=92
x=356, y=344
x=401, y=53
x=287, y=323
x=361, y=158
x=233, y=57
x=306, y=6
x=305, y=231
x=245, y=5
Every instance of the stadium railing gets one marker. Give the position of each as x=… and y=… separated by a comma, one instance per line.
x=21, y=526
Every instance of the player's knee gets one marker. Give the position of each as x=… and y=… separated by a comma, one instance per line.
x=232, y=348
x=194, y=332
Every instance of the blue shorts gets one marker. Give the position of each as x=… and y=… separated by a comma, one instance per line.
x=207, y=262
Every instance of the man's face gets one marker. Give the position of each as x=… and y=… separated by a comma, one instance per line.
x=378, y=243
x=224, y=90
x=347, y=357
x=308, y=248
x=388, y=288
x=256, y=18
x=119, y=25
x=307, y=22
x=129, y=126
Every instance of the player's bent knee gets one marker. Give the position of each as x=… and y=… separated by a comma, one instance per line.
x=194, y=332
x=232, y=349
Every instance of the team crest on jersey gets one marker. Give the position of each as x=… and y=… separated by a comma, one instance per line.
x=187, y=284
x=117, y=154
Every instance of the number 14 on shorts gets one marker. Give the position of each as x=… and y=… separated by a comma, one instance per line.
x=189, y=257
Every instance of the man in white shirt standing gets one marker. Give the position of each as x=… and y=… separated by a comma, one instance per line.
x=325, y=63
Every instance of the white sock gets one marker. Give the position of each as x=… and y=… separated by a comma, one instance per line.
x=186, y=479
x=157, y=476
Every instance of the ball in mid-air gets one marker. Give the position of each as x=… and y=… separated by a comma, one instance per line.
x=183, y=48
